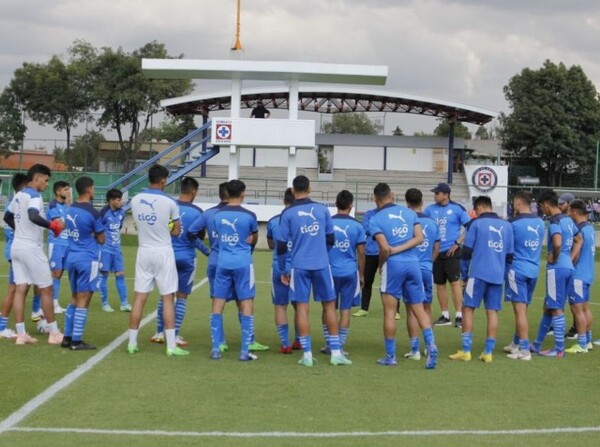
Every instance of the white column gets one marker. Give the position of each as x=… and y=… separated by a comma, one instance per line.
x=236, y=105
x=293, y=115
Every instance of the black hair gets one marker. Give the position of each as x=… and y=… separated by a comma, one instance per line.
x=189, y=185
x=235, y=188
x=19, y=181
x=113, y=194
x=301, y=183
x=525, y=196
x=157, y=173
x=483, y=202
x=38, y=169
x=578, y=206
x=413, y=197
x=344, y=200
x=223, y=191
x=381, y=191
x=288, y=197
x=550, y=197
x=59, y=185
x=83, y=184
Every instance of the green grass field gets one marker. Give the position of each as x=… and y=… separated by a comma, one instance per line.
x=149, y=399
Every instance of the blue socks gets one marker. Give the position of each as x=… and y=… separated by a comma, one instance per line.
x=490, y=344
x=344, y=335
x=558, y=323
x=414, y=344
x=216, y=330
x=306, y=343
x=69, y=314
x=79, y=320
x=467, y=341
x=102, y=285
x=334, y=342
x=326, y=336
x=3, y=323
x=36, y=304
x=283, y=332
x=515, y=339
x=247, y=323
x=428, y=337
x=588, y=335
x=180, y=308
x=55, y=289
x=582, y=340
x=160, y=325
x=390, y=347
x=121, y=289
x=524, y=344
x=545, y=324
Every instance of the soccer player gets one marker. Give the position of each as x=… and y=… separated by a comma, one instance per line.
x=347, y=260
x=185, y=260
x=280, y=291
x=563, y=205
x=153, y=211
x=234, y=278
x=579, y=295
x=57, y=246
x=29, y=262
x=427, y=252
x=398, y=233
x=528, y=232
x=488, y=248
x=371, y=266
x=450, y=218
x=111, y=256
x=85, y=230
x=308, y=226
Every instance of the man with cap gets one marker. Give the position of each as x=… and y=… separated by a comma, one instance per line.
x=450, y=218
x=563, y=205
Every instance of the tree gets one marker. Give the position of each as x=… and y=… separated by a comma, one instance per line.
x=398, y=132
x=420, y=133
x=555, y=119
x=482, y=133
x=84, y=151
x=12, y=129
x=172, y=130
x=352, y=123
x=460, y=130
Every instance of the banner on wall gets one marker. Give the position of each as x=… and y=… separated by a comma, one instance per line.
x=490, y=181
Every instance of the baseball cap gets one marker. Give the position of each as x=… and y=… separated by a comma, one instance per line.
x=442, y=187
x=565, y=197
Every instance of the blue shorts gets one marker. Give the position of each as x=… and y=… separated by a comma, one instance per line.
x=427, y=276
x=57, y=256
x=558, y=285
x=83, y=275
x=478, y=290
x=111, y=262
x=186, y=270
x=403, y=280
x=321, y=282
x=519, y=288
x=347, y=291
x=579, y=292
x=11, y=275
x=280, y=293
x=232, y=284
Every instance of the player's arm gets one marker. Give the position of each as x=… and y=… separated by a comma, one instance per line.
x=270, y=243
x=467, y=253
x=464, y=220
x=197, y=229
x=576, y=248
x=436, y=250
x=56, y=225
x=411, y=243
x=9, y=218
x=329, y=233
x=384, y=248
x=360, y=256
x=556, y=245
x=176, y=230
x=100, y=237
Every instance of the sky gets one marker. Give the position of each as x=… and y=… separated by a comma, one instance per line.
x=460, y=50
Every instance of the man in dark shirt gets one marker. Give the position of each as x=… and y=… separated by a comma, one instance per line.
x=260, y=111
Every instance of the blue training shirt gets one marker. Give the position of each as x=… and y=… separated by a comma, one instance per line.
x=563, y=225
x=396, y=223
x=308, y=225
x=488, y=247
x=371, y=248
x=234, y=224
x=57, y=210
x=182, y=245
x=113, y=221
x=349, y=234
x=449, y=218
x=206, y=222
x=83, y=221
x=584, y=269
x=431, y=235
x=273, y=234
x=528, y=231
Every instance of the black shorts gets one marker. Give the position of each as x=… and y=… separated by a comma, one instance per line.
x=446, y=268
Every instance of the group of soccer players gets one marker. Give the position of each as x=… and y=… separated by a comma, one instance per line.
x=312, y=251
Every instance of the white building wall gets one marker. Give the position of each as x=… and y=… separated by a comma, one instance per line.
x=407, y=159
x=354, y=157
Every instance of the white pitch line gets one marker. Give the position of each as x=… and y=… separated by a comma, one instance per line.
x=293, y=434
x=9, y=423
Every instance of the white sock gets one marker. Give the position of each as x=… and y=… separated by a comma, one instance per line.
x=133, y=333
x=20, y=328
x=446, y=314
x=458, y=314
x=170, y=337
x=336, y=353
x=308, y=355
x=53, y=327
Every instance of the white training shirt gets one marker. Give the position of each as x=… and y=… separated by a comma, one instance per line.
x=27, y=234
x=152, y=209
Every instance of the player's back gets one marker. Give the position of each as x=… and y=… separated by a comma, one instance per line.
x=234, y=224
x=188, y=213
x=563, y=225
x=449, y=218
x=528, y=231
x=113, y=222
x=584, y=269
x=371, y=248
x=27, y=234
x=57, y=210
x=348, y=235
x=431, y=235
x=273, y=234
x=491, y=239
x=307, y=224
x=82, y=223
x=152, y=209
x=396, y=223
x=207, y=222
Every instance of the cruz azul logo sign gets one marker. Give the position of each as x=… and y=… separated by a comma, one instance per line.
x=223, y=132
x=484, y=179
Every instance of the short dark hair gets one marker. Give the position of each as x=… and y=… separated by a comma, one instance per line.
x=550, y=197
x=83, y=184
x=114, y=193
x=38, y=169
x=301, y=183
x=344, y=200
x=381, y=191
x=19, y=181
x=413, y=197
x=156, y=173
x=189, y=185
x=483, y=202
x=59, y=185
x=525, y=196
x=288, y=197
x=579, y=207
x=235, y=188
x=223, y=195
